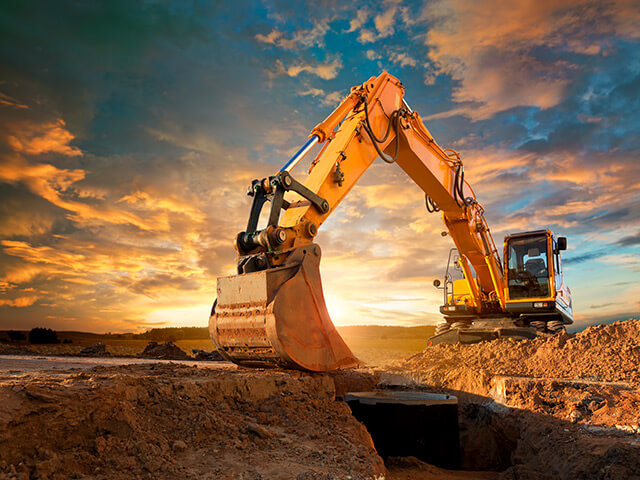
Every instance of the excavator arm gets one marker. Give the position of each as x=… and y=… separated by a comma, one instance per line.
x=272, y=313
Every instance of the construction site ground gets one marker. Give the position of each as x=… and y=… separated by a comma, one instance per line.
x=552, y=407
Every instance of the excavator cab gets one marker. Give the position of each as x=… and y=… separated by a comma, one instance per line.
x=537, y=300
x=536, y=292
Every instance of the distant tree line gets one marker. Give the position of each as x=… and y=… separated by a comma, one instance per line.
x=40, y=335
x=16, y=336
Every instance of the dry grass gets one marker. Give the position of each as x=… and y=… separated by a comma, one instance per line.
x=375, y=346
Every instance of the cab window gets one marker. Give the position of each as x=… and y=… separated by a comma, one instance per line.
x=528, y=268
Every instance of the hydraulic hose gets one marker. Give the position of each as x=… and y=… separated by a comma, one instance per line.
x=458, y=183
x=432, y=207
x=393, y=119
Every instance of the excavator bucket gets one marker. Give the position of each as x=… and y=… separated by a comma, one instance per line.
x=278, y=318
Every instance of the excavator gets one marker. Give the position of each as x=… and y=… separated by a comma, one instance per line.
x=272, y=313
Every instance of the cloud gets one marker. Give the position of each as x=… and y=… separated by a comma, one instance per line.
x=156, y=284
x=366, y=36
x=403, y=59
x=602, y=305
x=329, y=99
x=148, y=202
x=37, y=139
x=373, y=55
x=585, y=257
x=303, y=38
x=123, y=213
x=269, y=38
x=325, y=71
x=498, y=52
x=384, y=24
x=87, y=242
x=629, y=241
x=358, y=21
x=18, y=302
x=384, y=21
x=57, y=186
x=8, y=101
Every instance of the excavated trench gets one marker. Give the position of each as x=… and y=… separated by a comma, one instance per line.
x=475, y=434
x=416, y=424
x=499, y=441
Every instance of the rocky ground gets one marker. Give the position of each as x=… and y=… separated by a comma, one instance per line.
x=165, y=350
x=553, y=407
x=171, y=421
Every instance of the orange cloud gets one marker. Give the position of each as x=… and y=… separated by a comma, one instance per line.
x=18, y=302
x=36, y=139
x=56, y=186
x=148, y=202
x=487, y=47
x=326, y=71
x=8, y=101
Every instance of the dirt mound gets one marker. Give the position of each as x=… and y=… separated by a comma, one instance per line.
x=602, y=352
x=170, y=421
x=16, y=350
x=213, y=356
x=97, y=349
x=166, y=351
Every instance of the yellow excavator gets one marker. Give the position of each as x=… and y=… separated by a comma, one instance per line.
x=273, y=313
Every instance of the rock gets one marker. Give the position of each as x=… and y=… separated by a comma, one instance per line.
x=167, y=351
x=179, y=446
x=213, y=356
x=259, y=430
x=95, y=349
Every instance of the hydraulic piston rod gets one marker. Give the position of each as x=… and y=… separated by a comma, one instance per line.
x=293, y=161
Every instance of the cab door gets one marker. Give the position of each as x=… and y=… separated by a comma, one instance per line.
x=563, y=294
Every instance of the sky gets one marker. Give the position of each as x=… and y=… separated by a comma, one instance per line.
x=130, y=131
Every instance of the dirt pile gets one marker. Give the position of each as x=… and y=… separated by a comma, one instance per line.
x=169, y=421
x=166, y=351
x=97, y=349
x=602, y=352
x=213, y=356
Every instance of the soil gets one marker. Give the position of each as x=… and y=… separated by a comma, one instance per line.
x=601, y=353
x=555, y=407
x=167, y=351
x=97, y=349
x=170, y=421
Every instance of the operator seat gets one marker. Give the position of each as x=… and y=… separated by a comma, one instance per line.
x=536, y=267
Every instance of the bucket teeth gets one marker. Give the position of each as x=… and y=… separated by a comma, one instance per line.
x=278, y=318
